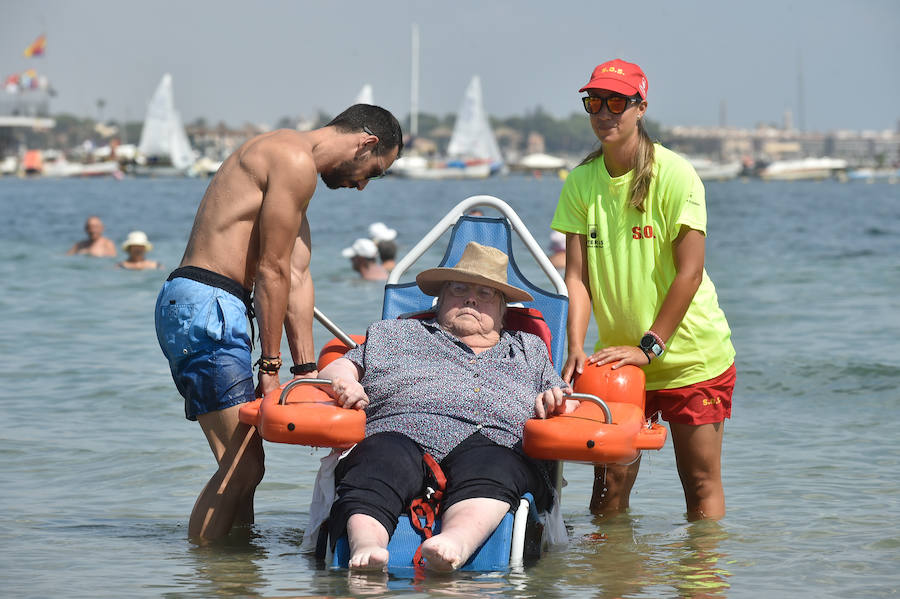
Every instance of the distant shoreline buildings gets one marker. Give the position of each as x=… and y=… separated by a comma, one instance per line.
x=768, y=143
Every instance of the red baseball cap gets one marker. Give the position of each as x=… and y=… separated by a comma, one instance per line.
x=619, y=76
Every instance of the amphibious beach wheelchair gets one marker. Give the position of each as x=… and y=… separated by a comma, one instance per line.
x=546, y=317
x=597, y=432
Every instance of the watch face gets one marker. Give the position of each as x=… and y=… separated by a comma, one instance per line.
x=647, y=341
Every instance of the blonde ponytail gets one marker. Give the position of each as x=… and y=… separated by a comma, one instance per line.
x=643, y=167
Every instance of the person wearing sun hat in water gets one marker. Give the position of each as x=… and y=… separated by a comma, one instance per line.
x=363, y=255
x=136, y=245
x=384, y=237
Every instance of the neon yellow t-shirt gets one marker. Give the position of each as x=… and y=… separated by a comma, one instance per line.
x=631, y=264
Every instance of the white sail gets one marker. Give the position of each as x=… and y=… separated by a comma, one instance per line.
x=472, y=135
x=365, y=95
x=163, y=136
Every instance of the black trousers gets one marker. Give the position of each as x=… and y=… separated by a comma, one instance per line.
x=385, y=472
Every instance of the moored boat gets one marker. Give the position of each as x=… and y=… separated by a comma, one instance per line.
x=871, y=175
x=710, y=170
x=804, y=168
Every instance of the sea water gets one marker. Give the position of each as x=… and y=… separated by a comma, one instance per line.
x=99, y=469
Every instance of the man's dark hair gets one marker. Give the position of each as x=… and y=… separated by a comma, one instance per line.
x=379, y=121
x=387, y=250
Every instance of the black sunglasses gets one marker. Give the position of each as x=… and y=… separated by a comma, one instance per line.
x=382, y=172
x=615, y=104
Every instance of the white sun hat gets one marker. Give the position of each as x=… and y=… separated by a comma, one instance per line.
x=362, y=247
x=380, y=232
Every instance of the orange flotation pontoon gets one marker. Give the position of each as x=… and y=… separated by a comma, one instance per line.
x=607, y=428
x=336, y=348
x=301, y=413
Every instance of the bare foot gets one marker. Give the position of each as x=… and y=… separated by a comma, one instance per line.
x=443, y=553
x=370, y=557
x=368, y=543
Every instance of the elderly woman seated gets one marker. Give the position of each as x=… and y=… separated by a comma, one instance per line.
x=458, y=387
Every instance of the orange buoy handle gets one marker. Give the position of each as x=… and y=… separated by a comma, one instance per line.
x=593, y=399
x=611, y=430
x=297, y=382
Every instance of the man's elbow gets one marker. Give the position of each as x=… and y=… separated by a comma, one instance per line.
x=273, y=272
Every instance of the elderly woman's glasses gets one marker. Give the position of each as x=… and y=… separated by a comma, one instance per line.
x=482, y=293
x=615, y=104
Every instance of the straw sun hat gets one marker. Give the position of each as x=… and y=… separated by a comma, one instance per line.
x=479, y=264
x=137, y=238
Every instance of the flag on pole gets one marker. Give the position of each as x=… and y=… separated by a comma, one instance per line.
x=37, y=47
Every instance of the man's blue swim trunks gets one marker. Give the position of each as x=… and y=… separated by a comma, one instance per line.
x=201, y=325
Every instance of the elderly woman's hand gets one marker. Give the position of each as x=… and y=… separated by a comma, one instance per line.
x=552, y=401
x=349, y=394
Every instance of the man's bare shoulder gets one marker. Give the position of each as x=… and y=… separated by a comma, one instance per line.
x=278, y=149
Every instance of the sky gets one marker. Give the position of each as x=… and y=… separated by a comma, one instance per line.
x=835, y=65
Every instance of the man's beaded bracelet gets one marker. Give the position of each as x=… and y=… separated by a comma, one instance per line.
x=269, y=365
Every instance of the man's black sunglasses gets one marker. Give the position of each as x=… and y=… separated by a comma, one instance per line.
x=382, y=172
x=615, y=104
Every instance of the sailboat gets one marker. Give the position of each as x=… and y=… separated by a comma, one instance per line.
x=473, y=140
x=473, y=151
x=164, y=149
x=365, y=95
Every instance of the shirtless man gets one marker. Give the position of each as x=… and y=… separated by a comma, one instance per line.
x=251, y=233
x=96, y=244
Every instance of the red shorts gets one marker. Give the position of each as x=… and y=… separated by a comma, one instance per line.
x=705, y=402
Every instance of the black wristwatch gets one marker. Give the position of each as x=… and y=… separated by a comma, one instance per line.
x=303, y=368
x=649, y=343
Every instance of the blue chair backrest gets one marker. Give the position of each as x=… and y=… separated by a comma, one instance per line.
x=403, y=298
